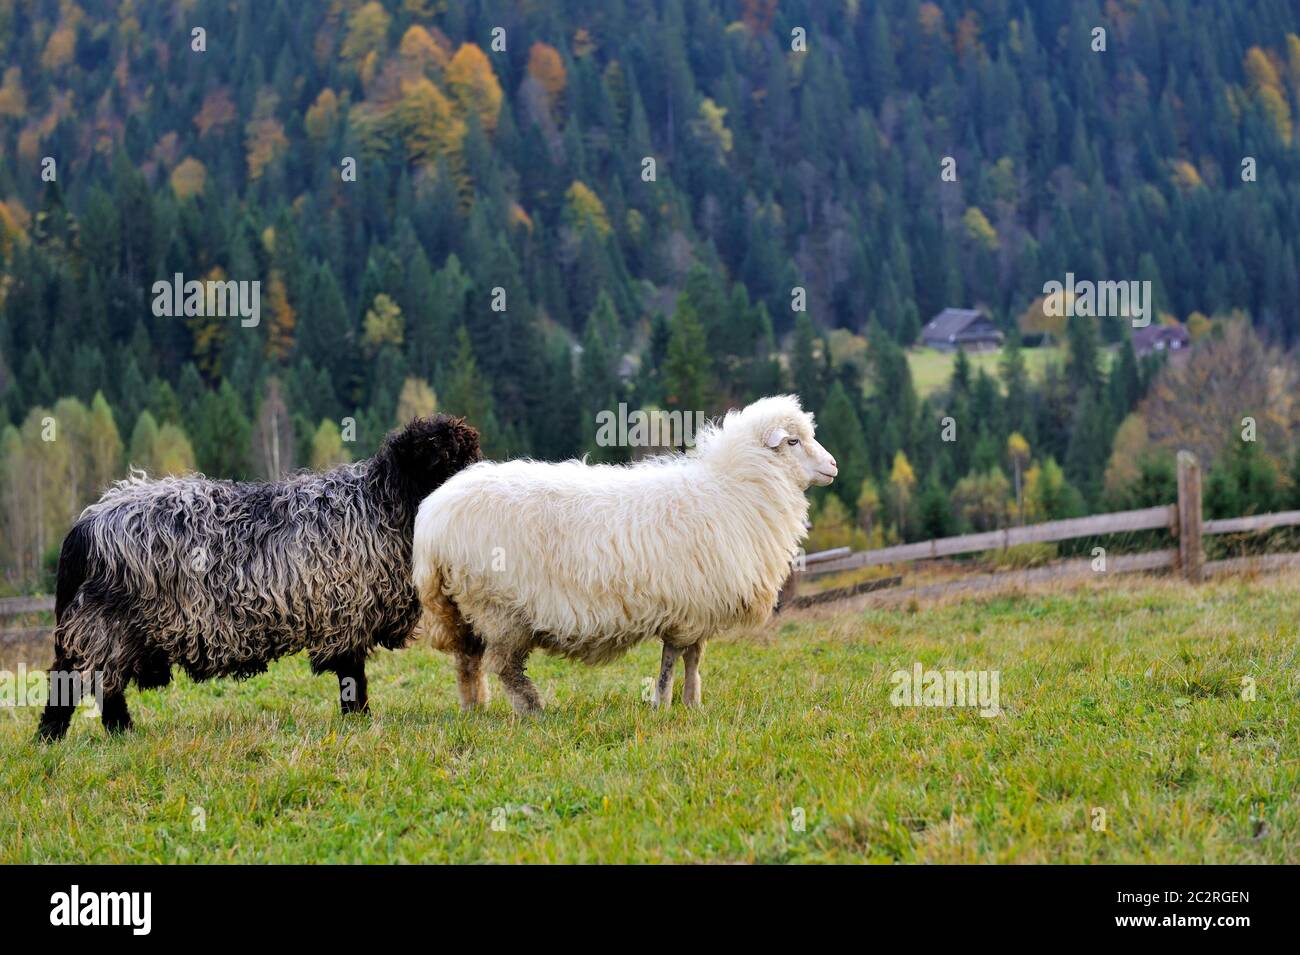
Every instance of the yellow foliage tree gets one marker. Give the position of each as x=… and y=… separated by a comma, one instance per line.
x=1198, y=326
x=1132, y=441
x=367, y=33
x=13, y=98
x=979, y=229
x=474, y=86
x=189, y=179
x=322, y=116
x=710, y=127
x=283, y=319
x=1185, y=176
x=11, y=230
x=60, y=48
x=416, y=400
x=902, y=479
x=429, y=125
x=383, y=323
x=422, y=52
x=583, y=209
x=327, y=449
x=1265, y=86
x=266, y=142
x=209, y=334
x=1018, y=452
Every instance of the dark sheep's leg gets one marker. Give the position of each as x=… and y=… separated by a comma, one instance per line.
x=353, y=696
x=115, y=715
x=664, y=685
x=64, y=695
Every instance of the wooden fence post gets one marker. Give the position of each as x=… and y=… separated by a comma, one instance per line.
x=1191, y=559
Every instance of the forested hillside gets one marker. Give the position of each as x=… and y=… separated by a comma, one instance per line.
x=529, y=212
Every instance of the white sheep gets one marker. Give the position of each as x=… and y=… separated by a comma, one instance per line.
x=586, y=560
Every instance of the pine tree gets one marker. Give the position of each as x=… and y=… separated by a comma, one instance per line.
x=686, y=366
x=465, y=393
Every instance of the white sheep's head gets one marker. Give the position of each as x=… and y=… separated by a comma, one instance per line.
x=793, y=442
x=771, y=430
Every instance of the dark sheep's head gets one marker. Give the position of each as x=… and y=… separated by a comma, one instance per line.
x=415, y=461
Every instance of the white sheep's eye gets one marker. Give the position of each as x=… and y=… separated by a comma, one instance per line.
x=792, y=442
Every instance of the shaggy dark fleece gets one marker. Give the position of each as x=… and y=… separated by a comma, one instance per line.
x=222, y=577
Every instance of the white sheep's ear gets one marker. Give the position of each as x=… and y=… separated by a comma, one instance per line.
x=776, y=437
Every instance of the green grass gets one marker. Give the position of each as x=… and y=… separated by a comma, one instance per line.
x=932, y=369
x=1124, y=697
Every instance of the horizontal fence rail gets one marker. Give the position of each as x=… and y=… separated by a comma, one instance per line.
x=1148, y=518
x=1254, y=524
x=17, y=606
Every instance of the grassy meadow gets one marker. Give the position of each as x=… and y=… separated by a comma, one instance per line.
x=1124, y=697
x=932, y=369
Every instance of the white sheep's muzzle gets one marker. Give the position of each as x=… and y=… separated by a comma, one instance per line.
x=818, y=464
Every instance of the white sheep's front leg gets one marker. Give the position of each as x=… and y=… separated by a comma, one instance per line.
x=691, y=686
x=664, y=686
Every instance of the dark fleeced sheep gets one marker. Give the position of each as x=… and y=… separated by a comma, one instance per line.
x=221, y=577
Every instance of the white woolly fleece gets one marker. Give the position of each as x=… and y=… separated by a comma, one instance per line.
x=586, y=560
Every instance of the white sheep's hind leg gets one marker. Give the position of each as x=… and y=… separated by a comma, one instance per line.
x=664, y=685
x=691, y=686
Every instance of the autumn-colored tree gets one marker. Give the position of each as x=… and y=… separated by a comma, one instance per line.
x=429, y=125
x=757, y=15
x=218, y=110
x=265, y=141
x=583, y=209
x=282, y=319
x=546, y=67
x=1131, y=442
x=60, y=48
x=209, y=334
x=367, y=33
x=710, y=128
x=979, y=229
x=188, y=179
x=474, y=86
x=416, y=400
x=1265, y=88
x=1018, y=454
x=383, y=323
x=981, y=499
x=421, y=52
x=327, y=449
x=868, y=508
x=1199, y=326
x=13, y=98
x=322, y=116
x=159, y=451
x=902, y=479
x=1035, y=320
x=1200, y=404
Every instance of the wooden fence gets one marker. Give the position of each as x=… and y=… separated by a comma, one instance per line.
x=1182, y=520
